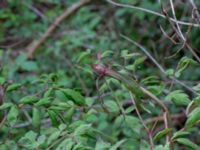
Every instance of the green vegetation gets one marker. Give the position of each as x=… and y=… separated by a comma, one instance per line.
x=99, y=75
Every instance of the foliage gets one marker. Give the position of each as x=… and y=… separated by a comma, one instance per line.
x=57, y=100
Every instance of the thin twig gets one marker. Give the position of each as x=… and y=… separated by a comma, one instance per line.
x=142, y=121
x=166, y=114
x=179, y=32
x=28, y=123
x=173, y=55
x=152, y=12
x=99, y=95
x=195, y=10
x=13, y=44
x=160, y=118
x=177, y=25
x=2, y=94
x=165, y=34
x=35, y=10
x=3, y=121
x=158, y=101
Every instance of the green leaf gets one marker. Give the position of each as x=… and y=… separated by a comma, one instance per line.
x=83, y=55
x=29, y=66
x=196, y=88
x=156, y=89
x=180, y=134
x=61, y=95
x=129, y=109
x=6, y=105
x=48, y=92
x=52, y=114
x=191, y=106
x=162, y=133
x=69, y=114
x=197, y=100
x=2, y=80
x=36, y=118
x=193, y=117
x=179, y=98
x=101, y=145
x=57, y=108
x=29, y=100
x=130, y=83
x=150, y=80
x=169, y=72
x=144, y=145
x=119, y=120
x=89, y=101
x=82, y=129
x=133, y=123
x=62, y=127
x=106, y=53
x=41, y=139
x=29, y=140
x=112, y=106
x=21, y=59
x=53, y=137
x=43, y=102
x=67, y=105
x=12, y=115
x=80, y=146
x=138, y=62
x=67, y=143
x=117, y=145
x=188, y=143
x=74, y=95
x=183, y=64
x=126, y=55
x=161, y=147
x=13, y=87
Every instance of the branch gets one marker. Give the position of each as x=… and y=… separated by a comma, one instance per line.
x=160, y=118
x=178, y=31
x=153, y=12
x=35, y=44
x=195, y=10
x=142, y=121
x=143, y=49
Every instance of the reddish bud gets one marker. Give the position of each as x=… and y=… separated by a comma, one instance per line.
x=99, y=68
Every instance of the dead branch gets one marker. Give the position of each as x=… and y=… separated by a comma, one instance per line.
x=71, y=10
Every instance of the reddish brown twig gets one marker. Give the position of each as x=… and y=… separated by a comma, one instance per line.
x=160, y=118
x=35, y=44
x=149, y=132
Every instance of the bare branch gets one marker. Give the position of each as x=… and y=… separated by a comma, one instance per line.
x=35, y=44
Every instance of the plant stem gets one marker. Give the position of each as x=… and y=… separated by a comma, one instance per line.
x=142, y=121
